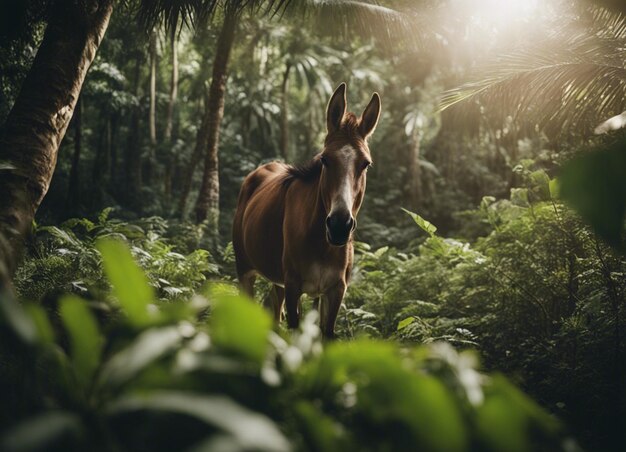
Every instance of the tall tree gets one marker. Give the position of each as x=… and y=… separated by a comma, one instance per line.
x=152, y=112
x=207, y=205
x=132, y=159
x=169, y=123
x=173, y=86
x=284, y=113
x=41, y=113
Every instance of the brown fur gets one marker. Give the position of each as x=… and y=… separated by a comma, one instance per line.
x=280, y=231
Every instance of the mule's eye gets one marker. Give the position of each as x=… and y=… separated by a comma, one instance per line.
x=324, y=161
x=366, y=165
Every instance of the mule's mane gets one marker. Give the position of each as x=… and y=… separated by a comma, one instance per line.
x=306, y=172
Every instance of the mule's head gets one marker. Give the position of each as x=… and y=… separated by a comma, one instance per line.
x=345, y=159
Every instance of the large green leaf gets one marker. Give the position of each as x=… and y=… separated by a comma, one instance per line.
x=143, y=351
x=85, y=340
x=41, y=321
x=249, y=430
x=388, y=403
x=594, y=183
x=43, y=432
x=507, y=419
x=12, y=314
x=130, y=284
x=240, y=325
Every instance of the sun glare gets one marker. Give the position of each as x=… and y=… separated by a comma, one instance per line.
x=499, y=14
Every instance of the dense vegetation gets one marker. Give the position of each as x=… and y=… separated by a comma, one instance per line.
x=497, y=324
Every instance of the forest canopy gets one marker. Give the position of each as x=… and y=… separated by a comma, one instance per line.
x=485, y=289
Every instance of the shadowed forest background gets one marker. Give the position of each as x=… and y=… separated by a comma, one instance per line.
x=486, y=306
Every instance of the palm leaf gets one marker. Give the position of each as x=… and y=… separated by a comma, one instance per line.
x=573, y=80
x=193, y=13
x=571, y=87
x=410, y=27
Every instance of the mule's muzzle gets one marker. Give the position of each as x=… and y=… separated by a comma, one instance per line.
x=339, y=226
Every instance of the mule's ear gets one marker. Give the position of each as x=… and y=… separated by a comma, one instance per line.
x=370, y=116
x=336, y=109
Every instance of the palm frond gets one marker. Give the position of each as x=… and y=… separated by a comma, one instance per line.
x=193, y=13
x=567, y=82
x=368, y=18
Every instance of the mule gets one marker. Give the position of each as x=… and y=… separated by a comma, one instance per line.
x=294, y=224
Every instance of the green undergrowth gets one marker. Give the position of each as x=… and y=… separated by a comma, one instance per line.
x=209, y=372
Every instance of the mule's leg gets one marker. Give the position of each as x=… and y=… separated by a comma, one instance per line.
x=330, y=307
x=277, y=297
x=293, y=292
x=247, y=283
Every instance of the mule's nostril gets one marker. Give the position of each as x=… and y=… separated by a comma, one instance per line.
x=328, y=221
x=350, y=223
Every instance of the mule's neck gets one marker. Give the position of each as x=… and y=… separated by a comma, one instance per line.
x=318, y=217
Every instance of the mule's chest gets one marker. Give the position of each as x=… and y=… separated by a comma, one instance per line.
x=319, y=278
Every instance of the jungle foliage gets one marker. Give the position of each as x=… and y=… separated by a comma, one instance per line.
x=486, y=304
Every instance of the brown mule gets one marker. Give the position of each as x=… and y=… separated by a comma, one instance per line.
x=294, y=224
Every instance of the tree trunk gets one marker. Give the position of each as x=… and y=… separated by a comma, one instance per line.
x=169, y=125
x=152, y=114
x=284, y=114
x=202, y=138
x=40, y=116
x=133, y=151
x=73, y=191
x=415, y=174
x=207, y=205
x=173, y=88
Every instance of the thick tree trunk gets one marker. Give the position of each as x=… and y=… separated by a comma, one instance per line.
x=284, y=114
x=73, y=191
x=40, y=116
x=207, y=205
x=133, y=151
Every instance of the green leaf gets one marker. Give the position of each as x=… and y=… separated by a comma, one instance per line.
x=14, y=315
x=541, y=183
x=555, y=188
x=240, y=325
x=130, y=284
x=406, y=322
x=422, y=223
x=250, y=430
x=40, y=433
x=41, y=321
x=388, y=396
x=320, y=432
x=594, y=183
x=507, y=417
x=143, y=351
x=85, y=341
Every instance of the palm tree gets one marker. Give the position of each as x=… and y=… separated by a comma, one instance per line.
x=40, y=116
x=207, y=205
